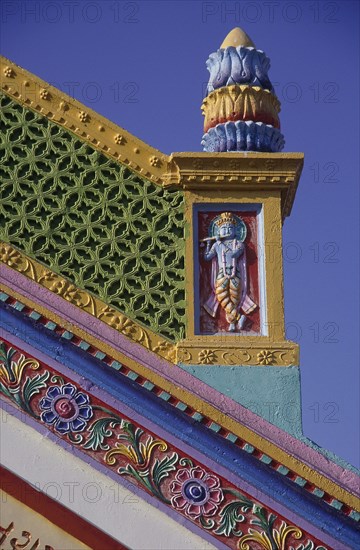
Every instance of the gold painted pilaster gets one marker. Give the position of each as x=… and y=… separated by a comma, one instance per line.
x=265, y=179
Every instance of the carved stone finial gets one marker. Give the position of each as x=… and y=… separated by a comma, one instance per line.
x=237, y=37
x=241, y=109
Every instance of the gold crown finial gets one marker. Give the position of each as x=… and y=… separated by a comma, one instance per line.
x=226, y=217
x=237, y=37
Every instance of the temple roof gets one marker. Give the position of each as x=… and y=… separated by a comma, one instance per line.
x=83, y=202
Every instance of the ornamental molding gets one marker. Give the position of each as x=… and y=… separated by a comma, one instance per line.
x=82, y=121
x=129, y=450
x=240, y=103
x=241, y=171
x=244, y=351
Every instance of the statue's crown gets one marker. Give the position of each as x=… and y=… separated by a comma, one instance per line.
x=226, y=217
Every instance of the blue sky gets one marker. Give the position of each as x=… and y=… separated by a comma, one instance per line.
x=142, y=65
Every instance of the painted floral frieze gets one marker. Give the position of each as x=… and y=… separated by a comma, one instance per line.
x=109, y=437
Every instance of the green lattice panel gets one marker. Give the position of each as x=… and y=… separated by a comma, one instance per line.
x=92, y=220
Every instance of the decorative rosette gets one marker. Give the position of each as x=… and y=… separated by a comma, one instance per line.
x=66, y=408
x=196, y=492
x=241, y=109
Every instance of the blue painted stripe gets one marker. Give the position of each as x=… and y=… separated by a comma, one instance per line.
x=181, y=426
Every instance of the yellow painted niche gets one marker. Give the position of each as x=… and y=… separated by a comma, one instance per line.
x=267, y=182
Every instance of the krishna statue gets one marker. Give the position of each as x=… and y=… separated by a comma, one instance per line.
x=229, y=285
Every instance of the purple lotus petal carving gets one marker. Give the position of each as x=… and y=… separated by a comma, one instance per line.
x=243, y=136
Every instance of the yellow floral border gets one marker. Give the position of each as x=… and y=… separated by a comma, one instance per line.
x=260, y=353
x=86, y=302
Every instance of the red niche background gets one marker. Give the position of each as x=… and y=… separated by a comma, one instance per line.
x=213, y=325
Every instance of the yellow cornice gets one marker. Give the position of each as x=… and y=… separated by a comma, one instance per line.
x=243, y=171
x=102, y=134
